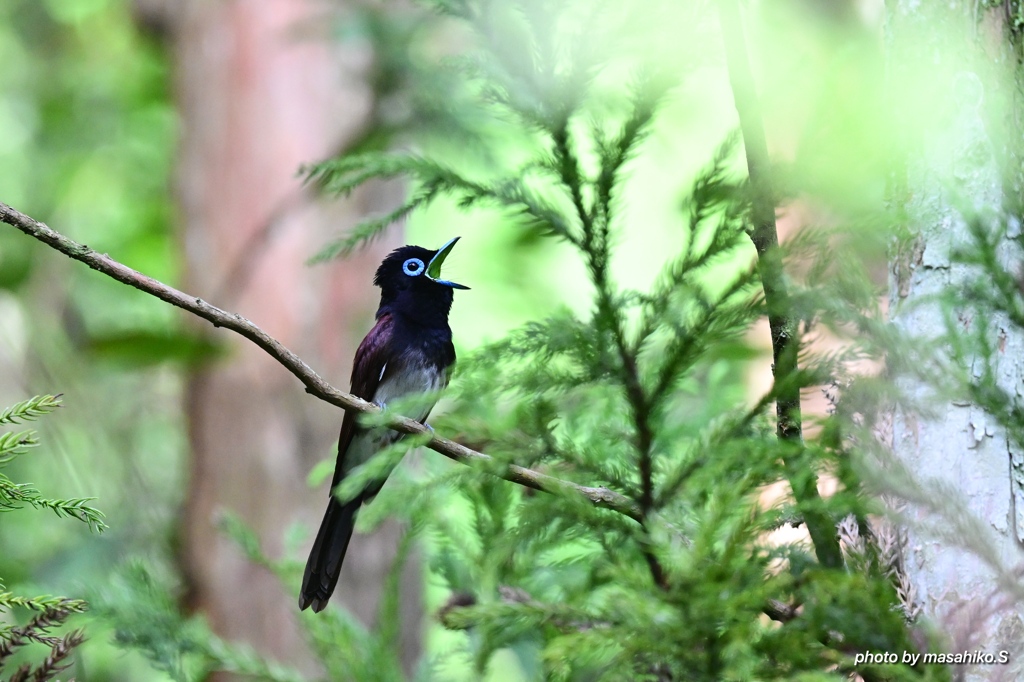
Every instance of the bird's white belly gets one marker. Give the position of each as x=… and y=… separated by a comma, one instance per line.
x=413, y=380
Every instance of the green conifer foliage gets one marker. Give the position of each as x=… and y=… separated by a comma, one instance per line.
x=49, y=612
x=644, y=394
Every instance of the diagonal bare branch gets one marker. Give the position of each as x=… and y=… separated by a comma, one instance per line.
x=315, y=385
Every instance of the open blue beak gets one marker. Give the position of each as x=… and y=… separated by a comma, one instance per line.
x=434, y=266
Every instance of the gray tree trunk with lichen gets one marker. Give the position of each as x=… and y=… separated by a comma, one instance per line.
x=953, y=167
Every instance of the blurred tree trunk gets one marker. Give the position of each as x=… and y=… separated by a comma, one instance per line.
x=261, y=91
x=960, y=160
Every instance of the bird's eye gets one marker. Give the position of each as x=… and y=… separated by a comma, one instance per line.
x=413, y=267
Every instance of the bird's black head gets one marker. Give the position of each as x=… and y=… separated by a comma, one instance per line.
x=411, y=284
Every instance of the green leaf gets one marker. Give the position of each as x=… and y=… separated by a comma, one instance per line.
x=31, y=409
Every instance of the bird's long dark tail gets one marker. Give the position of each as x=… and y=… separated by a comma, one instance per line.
x=324, y=564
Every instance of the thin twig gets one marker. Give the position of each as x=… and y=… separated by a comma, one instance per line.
x=315, y=385
x=595, y=246
x=785, y=343
x=34, y=631
x=57, y=660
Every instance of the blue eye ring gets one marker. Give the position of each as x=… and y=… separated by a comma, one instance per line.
x=413, y=267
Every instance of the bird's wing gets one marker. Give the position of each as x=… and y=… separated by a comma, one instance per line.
x=368, y=369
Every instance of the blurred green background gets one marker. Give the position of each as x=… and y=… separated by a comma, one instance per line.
x=87, y=135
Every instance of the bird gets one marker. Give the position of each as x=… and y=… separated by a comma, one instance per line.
x=409, y=350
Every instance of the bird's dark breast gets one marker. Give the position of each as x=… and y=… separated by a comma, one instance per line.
x=433, y=343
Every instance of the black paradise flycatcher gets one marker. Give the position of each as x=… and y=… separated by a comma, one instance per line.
x=408, y=351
